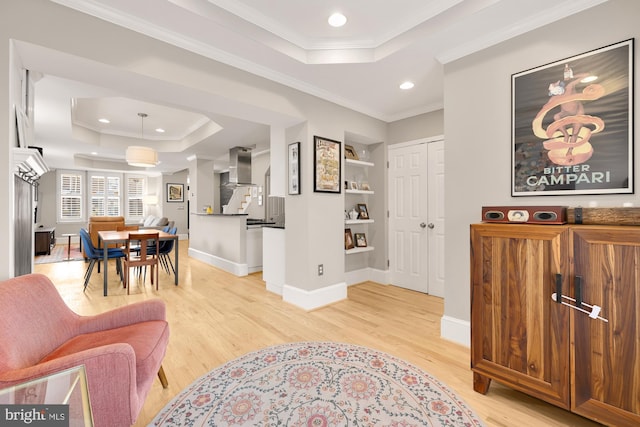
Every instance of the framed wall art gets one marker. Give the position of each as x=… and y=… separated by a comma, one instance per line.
x=572, y=125
x=327, y=165
x=175, y=192
x=294, y=168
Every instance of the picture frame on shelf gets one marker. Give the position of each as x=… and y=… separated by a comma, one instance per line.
x=353, y=185
x=294, y=168
x=361, y=240
x=348, y=239
x=175, y=192
x=350, y=153
x=362, y=211
x=327, y=165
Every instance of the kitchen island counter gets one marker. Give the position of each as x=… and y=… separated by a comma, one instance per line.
x=220, y=240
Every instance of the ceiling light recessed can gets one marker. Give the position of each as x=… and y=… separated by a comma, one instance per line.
x=337, y=20
x=160, y=130
x=106, y=121
x=406, y=85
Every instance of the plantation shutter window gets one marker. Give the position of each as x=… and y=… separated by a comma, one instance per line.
x=70, y=197
x=105, y=196
x=135, y=195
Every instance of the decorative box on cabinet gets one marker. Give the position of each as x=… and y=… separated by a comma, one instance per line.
x=553, y=349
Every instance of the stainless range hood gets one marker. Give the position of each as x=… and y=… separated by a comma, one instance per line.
x=240, y=166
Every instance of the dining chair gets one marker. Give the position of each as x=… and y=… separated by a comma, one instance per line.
x=141, y=250
x=95, y=255
x=166, y=246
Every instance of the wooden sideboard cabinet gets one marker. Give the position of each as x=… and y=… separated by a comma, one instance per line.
x=559, y=349
x=45, y=239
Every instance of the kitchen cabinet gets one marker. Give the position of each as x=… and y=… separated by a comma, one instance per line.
x=579, y=351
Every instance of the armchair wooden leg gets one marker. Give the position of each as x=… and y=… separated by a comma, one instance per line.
x=163, y=378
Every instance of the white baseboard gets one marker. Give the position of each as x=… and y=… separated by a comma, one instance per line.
x=276, y=288
x=224, y=264
x=455, y=330
x=310, y=300
x=367, y=274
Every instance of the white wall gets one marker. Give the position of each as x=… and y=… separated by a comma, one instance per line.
x=477, y=128
x=417, y=127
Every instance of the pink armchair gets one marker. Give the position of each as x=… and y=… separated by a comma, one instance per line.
x=122, y=350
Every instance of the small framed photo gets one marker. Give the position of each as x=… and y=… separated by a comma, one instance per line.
x=175, y=192
x=348, y=239
x=353, y=185
x=361, y=240
x=350, y=152
x=362, y=210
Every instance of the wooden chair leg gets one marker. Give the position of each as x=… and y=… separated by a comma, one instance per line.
x=163, y=378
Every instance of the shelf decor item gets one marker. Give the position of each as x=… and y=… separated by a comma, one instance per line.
x=572, y=125
x=348, y=239
x=362, y=210
x=361, y=240
x=350, y=153
x=294, y=168
x=327, y=165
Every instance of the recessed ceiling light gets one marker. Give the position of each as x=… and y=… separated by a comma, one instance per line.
x=104, y=121
x=94, y=153
x=406, y=85
x=337, y=20
x=160, y=130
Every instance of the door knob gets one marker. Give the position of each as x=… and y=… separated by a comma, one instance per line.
x=423, y=225
x=431, y=225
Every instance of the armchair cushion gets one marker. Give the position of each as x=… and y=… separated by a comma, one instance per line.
x=121, y=350
x=142, y=337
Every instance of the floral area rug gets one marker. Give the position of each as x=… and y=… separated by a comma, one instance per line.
x=317, y=384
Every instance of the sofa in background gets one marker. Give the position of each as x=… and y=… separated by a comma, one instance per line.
x=122, y=350
x=155, y=222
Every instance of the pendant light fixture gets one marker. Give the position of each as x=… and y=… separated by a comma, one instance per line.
x=141, y=156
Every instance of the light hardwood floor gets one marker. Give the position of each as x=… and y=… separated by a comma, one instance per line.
x=215, y=317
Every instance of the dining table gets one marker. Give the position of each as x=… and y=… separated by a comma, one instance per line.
x=108, y=237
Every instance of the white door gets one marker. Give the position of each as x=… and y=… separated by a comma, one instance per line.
x=435, y=226
x=416, y=203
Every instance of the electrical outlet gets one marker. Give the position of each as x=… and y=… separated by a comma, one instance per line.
x=320, y=269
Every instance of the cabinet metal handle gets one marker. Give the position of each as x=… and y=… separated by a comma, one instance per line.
x=578, y=287
x=423, y=225
x=431, y=225
x=593, y=310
